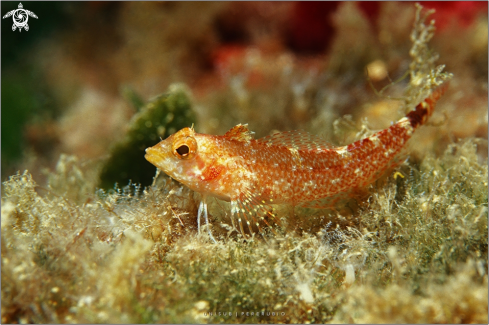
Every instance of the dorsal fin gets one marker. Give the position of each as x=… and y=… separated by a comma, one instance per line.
x=240, y=133
x=298, y=139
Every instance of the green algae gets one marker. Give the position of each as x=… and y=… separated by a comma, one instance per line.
x=159, y=118
x=125, y=258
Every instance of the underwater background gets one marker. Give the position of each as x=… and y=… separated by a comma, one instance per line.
x=90, y=235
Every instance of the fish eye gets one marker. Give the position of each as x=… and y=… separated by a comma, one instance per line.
x=185, y=148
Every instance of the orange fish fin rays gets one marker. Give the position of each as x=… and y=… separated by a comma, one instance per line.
x=253, y=211
x=297, y=139
x=240, y=133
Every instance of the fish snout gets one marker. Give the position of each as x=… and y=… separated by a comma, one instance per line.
x=152, y=155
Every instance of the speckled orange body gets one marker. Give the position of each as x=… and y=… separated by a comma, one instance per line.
x=290, y=167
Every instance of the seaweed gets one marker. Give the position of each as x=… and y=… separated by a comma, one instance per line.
x=125, y=257
x=159, y=118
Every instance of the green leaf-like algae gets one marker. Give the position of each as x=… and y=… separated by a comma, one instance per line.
x=161, y=117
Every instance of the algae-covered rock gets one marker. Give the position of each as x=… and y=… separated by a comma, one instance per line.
x=161, y=117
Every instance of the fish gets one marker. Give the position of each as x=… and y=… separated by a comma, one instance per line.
x=293, y=167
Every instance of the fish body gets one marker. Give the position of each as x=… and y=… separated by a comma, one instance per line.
x=290, y=167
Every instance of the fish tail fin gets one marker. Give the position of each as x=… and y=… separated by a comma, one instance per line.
x=425, y=109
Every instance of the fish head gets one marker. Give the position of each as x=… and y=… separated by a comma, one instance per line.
x=175, y=155
x=202, y=162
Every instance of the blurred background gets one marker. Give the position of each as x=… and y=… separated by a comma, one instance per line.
x=72, y=83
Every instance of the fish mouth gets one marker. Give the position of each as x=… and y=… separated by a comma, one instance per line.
x=159, y=158
x=152, y=155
